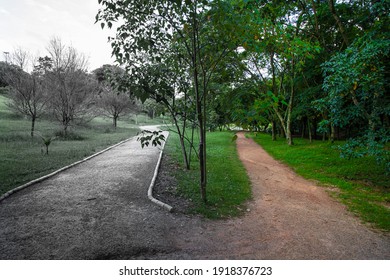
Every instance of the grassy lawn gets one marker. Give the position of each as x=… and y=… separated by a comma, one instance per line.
x=21, y=157
x=228, y=184
x=361, y=184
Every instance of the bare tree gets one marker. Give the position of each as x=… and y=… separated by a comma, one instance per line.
x=114, y=104
x=21, y=58
x=72, y=89
x=27, y=91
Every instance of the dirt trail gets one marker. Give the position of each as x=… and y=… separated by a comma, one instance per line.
x=99, y=210
x=289, y=218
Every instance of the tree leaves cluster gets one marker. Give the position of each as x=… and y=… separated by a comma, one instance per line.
x=321, y=67
x=147, y=137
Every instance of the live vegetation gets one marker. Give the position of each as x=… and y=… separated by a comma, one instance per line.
x=229, y=187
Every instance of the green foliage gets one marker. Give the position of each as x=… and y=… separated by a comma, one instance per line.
x=46, y=141
x=357, y=83
x=354, y=80
x=369, y=145
x=149, y=30
x=147, y=137
x=228, y=184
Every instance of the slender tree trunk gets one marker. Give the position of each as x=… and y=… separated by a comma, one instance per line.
x=115, y=119
x=289, y=108
x=192, y=144
x=309, y=130
x=290, y=141
x=199, y=111
x=288, y=125
x=282, y=131
x=332, y=133
x=32, y=126
x=182, y=143
x=338, y=21
x=273, y=130
x=274, y=91
x=183, y=149
x=65, y=125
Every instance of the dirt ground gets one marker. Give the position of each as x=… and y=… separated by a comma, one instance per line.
x=100, y=210
x=288, y=218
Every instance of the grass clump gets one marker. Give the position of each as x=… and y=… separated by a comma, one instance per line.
x=228, y=186
x=362, y=185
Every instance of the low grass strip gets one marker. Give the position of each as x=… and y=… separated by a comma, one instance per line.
x=228, y=185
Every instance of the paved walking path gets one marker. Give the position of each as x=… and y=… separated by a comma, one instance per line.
x=100, y=210
x=96, y=210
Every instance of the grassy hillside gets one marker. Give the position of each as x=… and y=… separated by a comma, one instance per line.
x=22, y=158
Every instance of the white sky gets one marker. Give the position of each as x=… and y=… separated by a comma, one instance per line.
x=30, y=24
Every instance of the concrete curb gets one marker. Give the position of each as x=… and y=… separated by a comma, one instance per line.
x=150, y=190
x=7, y=194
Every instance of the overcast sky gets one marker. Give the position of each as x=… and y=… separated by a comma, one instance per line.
x=30, y=24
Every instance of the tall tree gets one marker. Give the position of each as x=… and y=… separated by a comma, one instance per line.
x=357, y=82
x=72, y=89
x=28, y=91
x=20, y=58
x=110, y=101
x=277, y=50
x=149, y=27
x=113, y=104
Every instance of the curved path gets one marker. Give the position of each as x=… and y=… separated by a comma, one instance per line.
x=288, y=218
x=98, y=209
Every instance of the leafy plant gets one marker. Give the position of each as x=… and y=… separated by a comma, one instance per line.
x=148, y=137
x=46, y=141
x=355, y=80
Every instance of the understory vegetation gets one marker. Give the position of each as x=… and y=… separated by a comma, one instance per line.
x=228, y=184
x=360, y=183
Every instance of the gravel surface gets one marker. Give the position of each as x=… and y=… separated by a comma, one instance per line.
x=100, y=210
x=96, y=210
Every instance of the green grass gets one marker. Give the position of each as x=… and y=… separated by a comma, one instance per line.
x=22, y=160
x=361, y=184
x=228, y=185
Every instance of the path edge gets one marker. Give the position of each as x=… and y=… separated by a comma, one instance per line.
x=151, y=186
x=40, y=179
